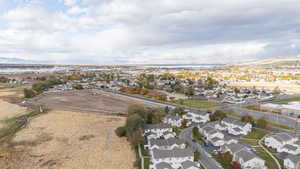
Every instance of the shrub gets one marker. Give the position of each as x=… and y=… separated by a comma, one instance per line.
x=262, y=123
x=121, y=131
x=29, y=93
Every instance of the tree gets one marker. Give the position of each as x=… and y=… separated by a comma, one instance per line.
x=134, y=128
x=196, y=156
x=190, y=91
x=179, y=110
x=77, y=86
x=135, y=109
x=3, y=79
x=121, y=131
x=218, y=115
x=184, y=122
x=235, y=165
x=196, y=134
x=227, y=157
x=262, y=123
x=167, y=109
x=29, y=93
x=248, y=119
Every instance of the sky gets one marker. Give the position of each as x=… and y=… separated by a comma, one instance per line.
x=148, y=31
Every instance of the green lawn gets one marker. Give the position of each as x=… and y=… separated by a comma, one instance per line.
x=144, y=151
x=287, y=100
x=281, y=126
x=256, y=134
x=200, y=104
x=146, y=163
x=221, y=161
x=269, y=160
x=231, y=113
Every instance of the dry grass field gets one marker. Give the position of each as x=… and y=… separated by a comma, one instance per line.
x=67, y=140
x=77, y=132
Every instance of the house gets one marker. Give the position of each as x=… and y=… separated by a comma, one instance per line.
x=189, y=165
x=164, y=135
x=234, y=126
x=292, y=162
x=173, y=157
x=213, y=136
x=249, y=160
x=196, y=116
x=173, y=120
x=166, y=144
x=242, y=155
x=162, y=165
x=158, y=129
x=233, y=148
x=290, y=149
x=283, y=142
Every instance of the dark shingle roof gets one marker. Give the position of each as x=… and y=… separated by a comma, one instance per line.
x=246, y=155
x=234, y=121
x=166, y=142
x=163, y=165
x=294, y=158
x=188, y=164
x=161, y=154
x=157, y=126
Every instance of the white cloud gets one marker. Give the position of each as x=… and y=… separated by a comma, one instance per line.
x=70, y=2
x=156, y=31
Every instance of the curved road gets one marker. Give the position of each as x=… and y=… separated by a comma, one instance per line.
x=206, y=160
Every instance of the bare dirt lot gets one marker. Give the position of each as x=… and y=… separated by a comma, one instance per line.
x=85, y=101
x=69, y=140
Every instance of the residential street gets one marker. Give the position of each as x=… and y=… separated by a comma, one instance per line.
x=205, y=159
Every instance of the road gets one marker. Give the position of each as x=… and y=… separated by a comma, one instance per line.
x=272, y=117
x=206, y=160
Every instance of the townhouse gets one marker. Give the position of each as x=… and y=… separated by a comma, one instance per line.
x=173, y=119
x=292, y=162
x=166, y=144
x=242, y=155
x=196, y=117
x=158, y=129
x=234, y=126
x=173, y=157
x=283, y=142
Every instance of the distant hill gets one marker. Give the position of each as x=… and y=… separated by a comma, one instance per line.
x=279, y=60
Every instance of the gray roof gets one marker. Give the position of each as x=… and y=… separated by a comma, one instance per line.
x=237, y=129
x=157, y=126
x=166, y=142
x=188, y=164
x=282, y=137
x=246, y=155
x=162, y=154
x=215, y=139
x=234, y=148
x=209, y=130
x=234, y=121
x=290, y=147
x=294, y=158
x=163, y=165
x=173, y=117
